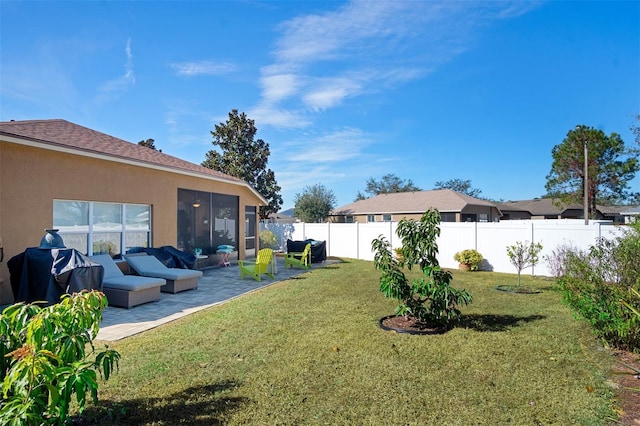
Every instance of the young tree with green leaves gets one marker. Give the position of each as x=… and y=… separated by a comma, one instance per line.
x=314, y=204
x=388, y=184
x=459, y=185
x=610, y=167
x=245, y=157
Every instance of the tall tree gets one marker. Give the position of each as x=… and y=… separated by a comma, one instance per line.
x=388, y=184
x=314, y=204
x=149, y=143
x=244, y=157
x=609, y=169
x=459, y=185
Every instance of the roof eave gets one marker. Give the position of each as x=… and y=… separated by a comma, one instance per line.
x=53, y=146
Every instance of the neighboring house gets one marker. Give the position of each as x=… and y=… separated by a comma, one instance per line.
x=105, y=194
x=548, y=208
x=453, y=207
x=281, y=218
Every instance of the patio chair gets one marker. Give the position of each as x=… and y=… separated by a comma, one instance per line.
x=126, y=291
x=302, y=259
x=262, y=265
x=178, y=279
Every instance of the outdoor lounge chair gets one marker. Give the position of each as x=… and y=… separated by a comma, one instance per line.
x=302, y=259
x=126, y=291
x=177, y=279
x=262, y=265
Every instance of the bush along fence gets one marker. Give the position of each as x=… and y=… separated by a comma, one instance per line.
x=353, y=240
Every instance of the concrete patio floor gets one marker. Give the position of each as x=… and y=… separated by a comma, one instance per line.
x=216, y=286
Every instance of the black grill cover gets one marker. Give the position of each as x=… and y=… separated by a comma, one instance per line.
x=318, y=249
x=45, y=274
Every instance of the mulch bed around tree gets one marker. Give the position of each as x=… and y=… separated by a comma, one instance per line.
x=410, y=325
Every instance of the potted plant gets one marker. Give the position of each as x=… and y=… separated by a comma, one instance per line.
x=469, y=259
x=427, y=304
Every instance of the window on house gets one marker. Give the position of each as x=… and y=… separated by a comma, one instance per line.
x=468, y=217
x=348, y=219
x=371, y=218
x=386, y=218
x=102, y=228
x=484, y=217
x=447, y=217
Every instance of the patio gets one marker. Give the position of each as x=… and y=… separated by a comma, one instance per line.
x=216, y=286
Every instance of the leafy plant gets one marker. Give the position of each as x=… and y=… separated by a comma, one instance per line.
x=523, y=255
x=44, y=360
x=431, y=297
x=268, y=239
x=470, y=257
x=602, y=286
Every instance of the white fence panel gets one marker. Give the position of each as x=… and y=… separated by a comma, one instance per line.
x=370, y=231
x=353, y=240
x=493, y=239
x=453, y=238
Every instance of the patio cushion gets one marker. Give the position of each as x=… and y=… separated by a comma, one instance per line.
x=132, y=282
x=151, y=267
x=111, y=270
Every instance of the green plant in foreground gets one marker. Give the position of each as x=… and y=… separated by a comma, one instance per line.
x=523, y=255
x=44, y=360
x=431, y=297
x=470, y=257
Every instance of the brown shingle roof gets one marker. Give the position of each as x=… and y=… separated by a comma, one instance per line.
x=65, y=135
x=445, y=200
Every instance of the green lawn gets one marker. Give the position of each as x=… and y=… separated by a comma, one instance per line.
x=309, y=351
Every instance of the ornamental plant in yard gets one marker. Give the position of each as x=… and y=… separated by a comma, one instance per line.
x=523, y=255
x=470, y=257
x=429, y=298
x=44, y=360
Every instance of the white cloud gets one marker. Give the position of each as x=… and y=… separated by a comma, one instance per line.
x=365, y=47
x=333, y=147
x=191, y=69
x=279, y=86
x=117, y=86
x=270, y=114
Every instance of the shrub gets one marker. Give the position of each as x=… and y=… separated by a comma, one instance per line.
x=431, y=297
x=268, y=240
x=470, y=257
x=602, y=285
x=44, y=360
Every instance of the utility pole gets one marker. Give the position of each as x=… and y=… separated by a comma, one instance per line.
x=586, y=180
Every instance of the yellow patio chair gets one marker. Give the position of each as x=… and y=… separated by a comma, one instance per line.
x=302, y=259
x=262, y=265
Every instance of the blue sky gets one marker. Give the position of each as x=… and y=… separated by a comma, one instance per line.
x=341, y=90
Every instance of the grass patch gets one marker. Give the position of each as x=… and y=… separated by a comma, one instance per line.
x=309, y=351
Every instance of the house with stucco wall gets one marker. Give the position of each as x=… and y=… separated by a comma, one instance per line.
x=105, y=194
x=392, y=207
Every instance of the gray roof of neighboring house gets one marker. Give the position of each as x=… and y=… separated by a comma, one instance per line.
x=66, y=136
x=546, y=206
x=537, y=206
x=445, y=200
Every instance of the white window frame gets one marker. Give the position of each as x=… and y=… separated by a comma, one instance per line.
x=89, y=229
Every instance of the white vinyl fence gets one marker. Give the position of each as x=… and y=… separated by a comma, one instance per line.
x=353, y=240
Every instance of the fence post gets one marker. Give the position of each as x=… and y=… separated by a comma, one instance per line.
x=328, y=243
x=357, y=240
